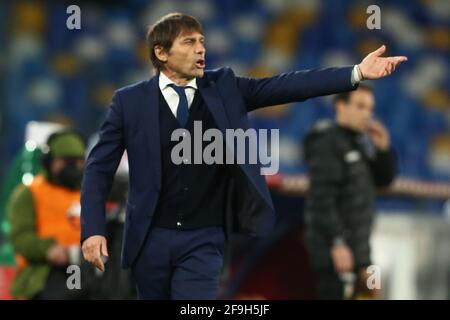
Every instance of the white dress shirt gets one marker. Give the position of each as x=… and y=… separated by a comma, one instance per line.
x=355, y=75
x=170, y=94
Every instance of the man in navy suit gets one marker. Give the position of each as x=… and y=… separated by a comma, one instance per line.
x=178, y=216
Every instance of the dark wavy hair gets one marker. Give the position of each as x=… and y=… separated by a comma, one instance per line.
x=165, y=30
x=345, y=96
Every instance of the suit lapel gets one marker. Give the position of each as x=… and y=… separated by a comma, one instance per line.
x=214, y=103
x=150, y=117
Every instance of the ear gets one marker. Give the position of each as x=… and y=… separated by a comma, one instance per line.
x=160, y=53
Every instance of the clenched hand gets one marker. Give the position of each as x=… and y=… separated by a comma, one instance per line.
x=342, y=257
x=58, y=255
x=93, y=249
x=379, y=135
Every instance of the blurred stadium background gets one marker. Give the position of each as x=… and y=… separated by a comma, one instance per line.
x=52, y=74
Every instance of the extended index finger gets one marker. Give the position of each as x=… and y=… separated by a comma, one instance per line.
x=398, y=59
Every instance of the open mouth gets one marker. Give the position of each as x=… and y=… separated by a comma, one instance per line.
x=200, y=63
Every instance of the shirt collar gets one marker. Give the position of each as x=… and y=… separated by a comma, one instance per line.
x=164, y=81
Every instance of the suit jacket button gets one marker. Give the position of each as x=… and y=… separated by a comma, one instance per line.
x=178, y=224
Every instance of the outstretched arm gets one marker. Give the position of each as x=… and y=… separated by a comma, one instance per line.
x=301, y=85
x=294, y=86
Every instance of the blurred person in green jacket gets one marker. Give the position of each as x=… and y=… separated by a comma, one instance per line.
x=45, y=224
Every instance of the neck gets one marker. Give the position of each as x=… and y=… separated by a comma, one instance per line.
x=176, y=77
x=340, y=121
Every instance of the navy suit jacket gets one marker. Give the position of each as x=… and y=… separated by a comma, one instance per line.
x=132, y=124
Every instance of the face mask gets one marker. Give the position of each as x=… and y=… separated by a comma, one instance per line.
x=70, y=177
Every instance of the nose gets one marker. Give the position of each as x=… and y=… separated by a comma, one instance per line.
x=200, y=48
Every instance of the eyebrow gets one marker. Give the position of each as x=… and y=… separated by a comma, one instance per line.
x=193, y=38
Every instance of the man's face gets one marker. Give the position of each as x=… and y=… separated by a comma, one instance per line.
x=67, y=172
x=358, y=111
x=58, y=164
x=186, y=57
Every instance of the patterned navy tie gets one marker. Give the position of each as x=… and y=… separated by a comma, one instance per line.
x=183, y=108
